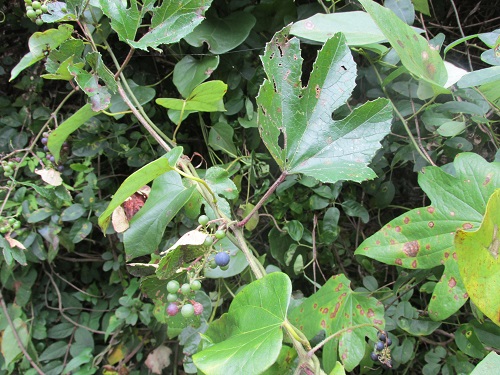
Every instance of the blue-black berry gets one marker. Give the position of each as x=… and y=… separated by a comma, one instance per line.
x=222, y=259
x=374, y=356
x=379, y=345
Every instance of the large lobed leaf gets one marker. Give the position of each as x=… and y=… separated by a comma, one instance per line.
x=248, y=339
x=478, y=260
x=423, y=238
x=336, y=307
x=296, y=122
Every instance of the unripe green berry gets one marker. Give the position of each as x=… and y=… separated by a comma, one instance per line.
x=209, y=240
x=195, y=285
x=187, y=310
x=45, y=8
x=203, y=220
x=39, y=22
x=36, y=5
x=173, y=286
x=220, y=234
x=172, y=297
x=38, y=12
x=223, y=268
x=28, y=2
x=185, y=289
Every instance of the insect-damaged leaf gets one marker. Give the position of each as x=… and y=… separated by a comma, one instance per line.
x=336, y=307
x=423, y=238
x=296, y=122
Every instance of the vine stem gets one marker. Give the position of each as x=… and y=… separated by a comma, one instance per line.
x=264, y=198
x=338, y=333
x=141, y=119
x=16, y=336
x=256, y=267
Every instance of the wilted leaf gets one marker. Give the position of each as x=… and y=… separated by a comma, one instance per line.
x=158, y=359
x=50, y=176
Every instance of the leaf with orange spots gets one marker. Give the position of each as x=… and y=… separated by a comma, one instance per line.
x=479, y=263
x=423, y=238
x=336, y=307
x=296, y=122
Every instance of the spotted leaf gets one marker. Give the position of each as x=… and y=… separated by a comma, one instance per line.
x=424, y=237
x=336, y=307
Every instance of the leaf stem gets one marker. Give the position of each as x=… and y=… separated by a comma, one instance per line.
x=256, y=267
x=264, y=198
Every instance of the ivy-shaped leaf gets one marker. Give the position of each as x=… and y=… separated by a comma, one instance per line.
x=296, y=122
x=89, y=83
x=206, y=97
x=423, y=238
x=172, y=21
x=478, y=260
x=248, y=339
x=168, y=195
x=336, y=307
x=125, y=21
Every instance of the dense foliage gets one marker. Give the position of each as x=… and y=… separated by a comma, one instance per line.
x=249, y=187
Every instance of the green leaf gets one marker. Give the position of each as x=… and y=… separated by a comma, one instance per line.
x=124, y=21
x=403, y=9
x=10, y=349
x=414, y=51
x=296, y=123
x=168, y=195
x=62, y=132
x=478, y=260
x=489, y=365
x=190, y=72
x=41, y=43
x=248, y=339
x=480, y=77
x=95, y=61
x=137, y=180
x=336, y=307
x=53, y=351
x=205, y=97
x=73, y=212
x=220, y=138
x=218, y=180
x=222, y=34
x=172, y=21
x=423, y=238
x=422, y=6
x=89, y=83
x=358, y=28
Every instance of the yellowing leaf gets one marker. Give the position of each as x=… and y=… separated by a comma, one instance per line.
x=478, y=260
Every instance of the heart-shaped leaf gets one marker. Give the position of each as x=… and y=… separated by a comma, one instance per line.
x=478, y=260
x=423, y=238
x=296, y=122
x=248, y=339
x=137, y=180
x=168, y=195
x=336, y=307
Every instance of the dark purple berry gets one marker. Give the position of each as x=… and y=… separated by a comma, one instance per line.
x=52, y=158
x=222, y=259
x=379, y=345
x=388, y=341
x=374, y=356
x=60, y=168
x=45, y=148
x=172, y=309
x=44, y=141
x=382, y=337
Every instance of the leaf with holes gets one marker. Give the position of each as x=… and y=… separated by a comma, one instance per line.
x=248, y=339
x=423, y=238
x=335, y=307
x=478, y=260
x=296, y=122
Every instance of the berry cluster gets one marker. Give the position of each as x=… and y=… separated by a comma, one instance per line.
x=35, y=9
x=9, y=225
x=49, y=156
x=186, y=306
x=221, y=259
x=381, y=351
x=8, y=168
